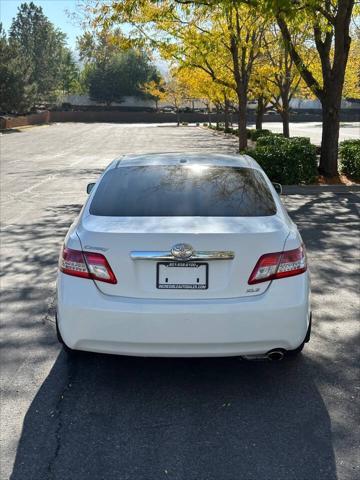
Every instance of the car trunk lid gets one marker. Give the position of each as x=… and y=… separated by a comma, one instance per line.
x=247, y=238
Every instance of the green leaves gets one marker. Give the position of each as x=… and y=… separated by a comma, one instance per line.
x=35, y=66
x=123, y=74
x=15, y=91
x=350, y=158
x=41, y=45
x=286, y=160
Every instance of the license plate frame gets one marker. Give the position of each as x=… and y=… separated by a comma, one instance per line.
x=182, y=286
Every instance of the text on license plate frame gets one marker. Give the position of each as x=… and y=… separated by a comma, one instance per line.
x=182, y=286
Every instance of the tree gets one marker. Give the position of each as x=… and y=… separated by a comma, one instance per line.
x=330, y=25
x=276, y=79
x=200, y=86
x=69, y=75
x=224, y=40
x=100, y=47
x=123, y=74
x=40, y=45
x=259, y=90
x=15, y=94
x=176, y=92
x=352, y=74
x=229, y=33
x=106, y=83
x=155, y=90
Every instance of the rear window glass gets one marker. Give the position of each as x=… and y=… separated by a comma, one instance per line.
x=182, y=190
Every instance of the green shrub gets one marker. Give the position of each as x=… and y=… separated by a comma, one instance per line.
x=286, y=160
x=273, y=140
x=301, y=140
x=350, y=158
x=255, y=134
x=184, y=123
x=205, y=124
x=266, y=141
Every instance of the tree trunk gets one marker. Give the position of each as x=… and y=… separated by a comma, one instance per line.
x=226, y=114
x=285, y=110
x=242, y=121
x=333, y=63
x=178, y=117
x=285, y=121
x=217, y=116
x=330, y=137
x=260, y=110
x=209, y=116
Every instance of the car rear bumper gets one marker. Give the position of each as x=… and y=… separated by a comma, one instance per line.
x=89, y=320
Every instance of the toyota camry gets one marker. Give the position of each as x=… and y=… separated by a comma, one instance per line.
x=184, y=255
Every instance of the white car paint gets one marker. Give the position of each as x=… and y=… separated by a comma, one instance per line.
x=231, y=317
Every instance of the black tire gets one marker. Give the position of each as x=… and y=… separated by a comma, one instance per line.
x=296, y=352
x=68, y=350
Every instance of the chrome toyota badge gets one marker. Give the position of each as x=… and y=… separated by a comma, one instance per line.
x=182, y=251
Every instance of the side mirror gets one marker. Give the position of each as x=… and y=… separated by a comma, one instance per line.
x=278, y=188
x=89, y=187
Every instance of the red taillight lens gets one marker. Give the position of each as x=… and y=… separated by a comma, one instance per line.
x=279, y=265
x=72, y=262
x=86, y=265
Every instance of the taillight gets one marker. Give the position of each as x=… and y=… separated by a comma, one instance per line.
x=86, y=265
x=279, y=265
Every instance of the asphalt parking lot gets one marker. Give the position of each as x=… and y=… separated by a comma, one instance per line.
x=105, y=417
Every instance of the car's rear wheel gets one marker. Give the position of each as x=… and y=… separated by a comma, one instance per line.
x=68, y=350
x=294, y=353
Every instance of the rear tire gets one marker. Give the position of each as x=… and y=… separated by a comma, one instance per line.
x=68, y=350
x=296, y=352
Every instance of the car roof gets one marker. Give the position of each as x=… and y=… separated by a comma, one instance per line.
x=205, y=158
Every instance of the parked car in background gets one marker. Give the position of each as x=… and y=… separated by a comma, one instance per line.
x=168, y=109
x=271, y=111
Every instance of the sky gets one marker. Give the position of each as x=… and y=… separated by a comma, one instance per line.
x=55, y=10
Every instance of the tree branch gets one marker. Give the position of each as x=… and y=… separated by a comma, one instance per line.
x=308, y=77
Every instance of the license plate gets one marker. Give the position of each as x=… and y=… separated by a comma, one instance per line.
x=182, y=275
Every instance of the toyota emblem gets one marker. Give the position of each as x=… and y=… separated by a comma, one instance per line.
x=182, y=251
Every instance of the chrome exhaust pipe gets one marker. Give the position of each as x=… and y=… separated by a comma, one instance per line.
x=275, y=355
x=254, y=357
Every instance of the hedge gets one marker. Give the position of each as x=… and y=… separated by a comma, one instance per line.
x=273, y=140
x=286, y=160
x=350, y=158
x=255, y=134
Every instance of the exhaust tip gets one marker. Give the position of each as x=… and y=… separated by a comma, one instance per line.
x=275, y=355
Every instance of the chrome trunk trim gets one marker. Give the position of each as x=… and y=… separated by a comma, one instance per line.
x=167, y=255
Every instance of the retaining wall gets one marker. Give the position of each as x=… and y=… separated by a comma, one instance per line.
x=114, y=116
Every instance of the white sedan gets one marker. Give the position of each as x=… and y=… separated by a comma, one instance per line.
x=184, y=255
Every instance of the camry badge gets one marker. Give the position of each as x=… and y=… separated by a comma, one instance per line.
x=182, y=251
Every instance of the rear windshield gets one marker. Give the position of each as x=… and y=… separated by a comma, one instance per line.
x=183, y=190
